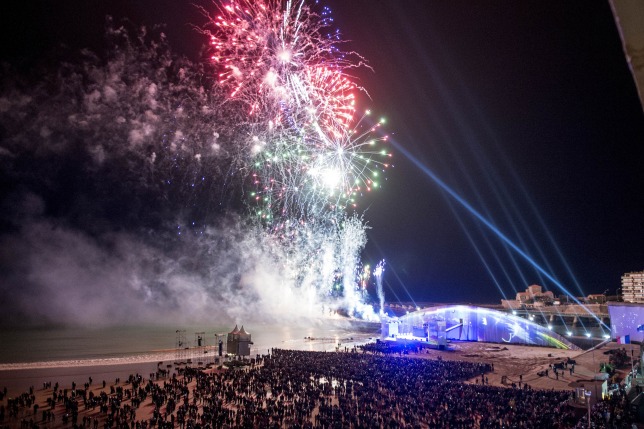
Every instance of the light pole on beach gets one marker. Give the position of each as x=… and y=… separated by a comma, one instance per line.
x=587, y=393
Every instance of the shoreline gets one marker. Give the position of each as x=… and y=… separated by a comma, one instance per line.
x=19, y=376
x=306, y=343
x=114, y=345
x=514, y=359
x=77, y=363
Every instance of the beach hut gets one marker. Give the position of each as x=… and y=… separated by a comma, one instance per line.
x=239, y=342
x=231, y=340
x=243, y=348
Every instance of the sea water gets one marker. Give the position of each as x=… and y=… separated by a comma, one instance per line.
x=73, y=345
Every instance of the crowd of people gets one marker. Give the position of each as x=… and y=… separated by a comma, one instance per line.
x=298, y=389
x=614, y=412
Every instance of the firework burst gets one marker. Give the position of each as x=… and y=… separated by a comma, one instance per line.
x=262, y=48
x=308, y=155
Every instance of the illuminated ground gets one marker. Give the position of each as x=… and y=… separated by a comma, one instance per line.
x=514, y=361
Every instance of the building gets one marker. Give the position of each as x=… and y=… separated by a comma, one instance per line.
x=633, y=287
x=596, y=298
x=534, y=296
x=534, y=293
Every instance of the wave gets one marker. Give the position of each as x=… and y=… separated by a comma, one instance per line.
x=170, y=356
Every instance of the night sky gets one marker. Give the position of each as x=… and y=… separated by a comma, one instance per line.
x=525, y=112
x=529, y=112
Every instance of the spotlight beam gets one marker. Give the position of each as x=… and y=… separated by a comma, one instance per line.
x=504, y=238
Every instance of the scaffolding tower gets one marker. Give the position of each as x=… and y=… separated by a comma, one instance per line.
x=199, y=351
x=220, y=347
x=181, y=347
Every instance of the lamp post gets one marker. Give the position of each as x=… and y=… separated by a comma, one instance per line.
x=587, y=393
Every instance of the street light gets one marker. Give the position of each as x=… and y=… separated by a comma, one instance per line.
x=587, y=393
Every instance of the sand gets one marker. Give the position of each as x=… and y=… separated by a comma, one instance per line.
x=18, y=381
x=512, y=363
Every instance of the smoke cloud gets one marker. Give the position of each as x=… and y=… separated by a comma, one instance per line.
x=122, y=202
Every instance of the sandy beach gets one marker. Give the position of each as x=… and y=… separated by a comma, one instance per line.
x=509, y=360
x=19, y=377
x=512, y=363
